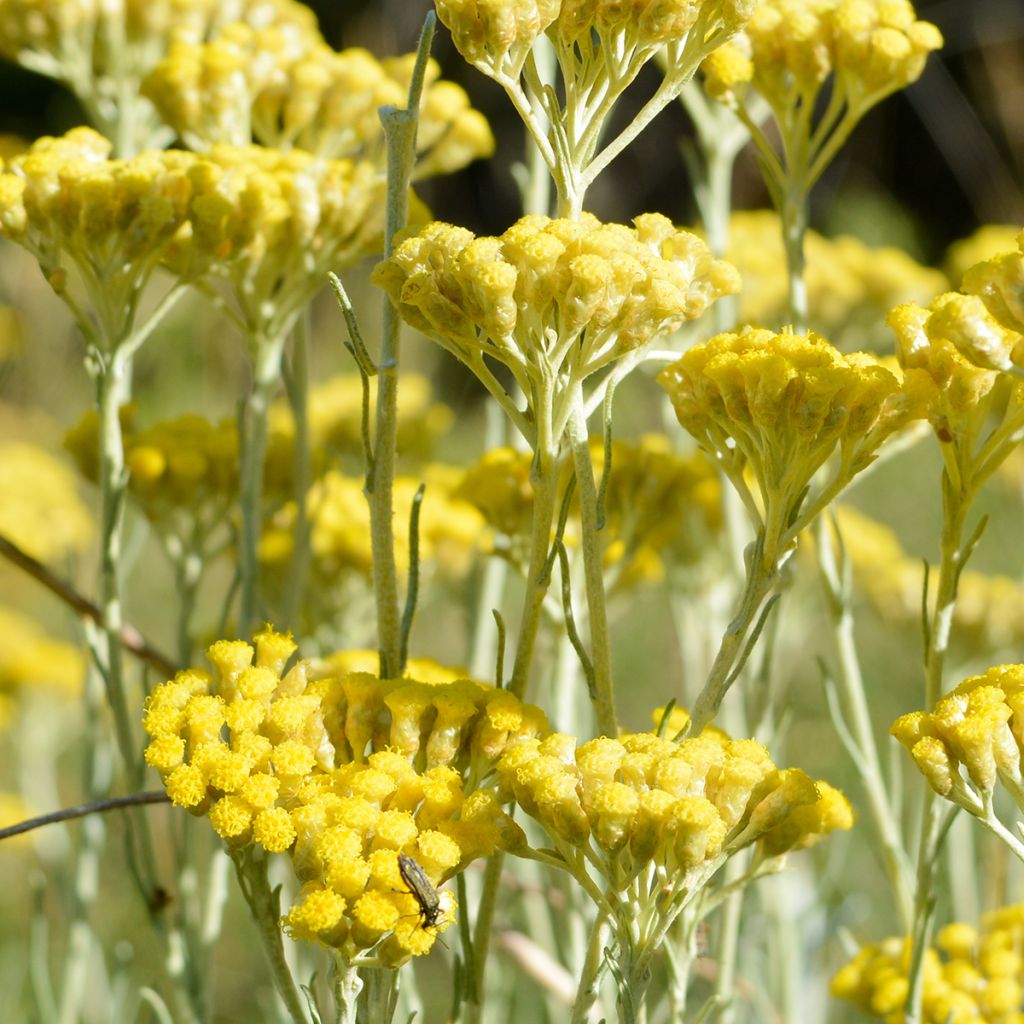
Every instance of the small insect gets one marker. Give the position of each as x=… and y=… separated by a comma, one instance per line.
x=431, y=911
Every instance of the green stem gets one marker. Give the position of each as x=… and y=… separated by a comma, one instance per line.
x=587, y=990
x=956, y=502
x=593, y=572
x=265, y=375
x=265, y=908
x=298, y=395
x=794, y=229
x=761, y=582
x=347, y=986
x=546, y=470
x=400, y=136
x=482, y=932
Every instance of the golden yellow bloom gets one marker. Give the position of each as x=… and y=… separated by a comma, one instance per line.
x=71, y=206
x=553, y=300
x=344, y=772
x=40, y=509
x=779, y=406
x=988, y=241
x=970, y=741
x=973, y=974
x=283, y=87
x=102, y=51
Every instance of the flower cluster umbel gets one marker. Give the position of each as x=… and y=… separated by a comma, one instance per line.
x=344, y=772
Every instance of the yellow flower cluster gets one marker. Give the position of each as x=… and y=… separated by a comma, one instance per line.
x=850, y=286
x=972, y=739
x=30, y=658
x=779, y=405
x=268, y=225
x=790, y=47
x=972, y=975
x=658, y=818
x=968, y=349
x=553, y=300
x=113, y=220
x=450, y=529
x=497, y=37
x=657, y=502
x=40, y=509
x=986, y=616
x=345, y=772
x=334, y=410
x=283, y=87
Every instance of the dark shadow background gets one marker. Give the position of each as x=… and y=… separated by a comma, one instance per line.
x=923, y=169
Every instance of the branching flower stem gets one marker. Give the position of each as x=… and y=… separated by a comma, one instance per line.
x=400, y=135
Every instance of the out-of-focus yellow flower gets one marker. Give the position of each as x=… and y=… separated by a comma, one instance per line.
x=102, y=51
x=553, y=300
x=344, y=772
x=14, y=810
x=96, y=226
x=850, y=286
x=779, y=406
x=789, y=48
x=266, y=226
x=30, y=659
x=657, y=503
x=450, y=529
x=972, y=974
x=40, y=509
x=283, y=88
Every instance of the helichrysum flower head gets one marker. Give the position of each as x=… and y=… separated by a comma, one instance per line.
x=282, y=88
x=495, y=35
x=988, y=241
x=999, y=283
x=553, y=300
x=780, y=405
x=972, y=973
x=268, y=225
x=345, y=773
x=790, y=47
x=110, y=222
x=40, y=509
x=658, y=818
x=971, y=740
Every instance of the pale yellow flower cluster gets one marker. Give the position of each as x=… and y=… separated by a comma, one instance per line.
x=110, y=221
x=282, y=87
x=656, y=818
x=779, y=406
x=450, y=528
x=267, y=226
x=971, y=740
x=345, y=773
x=553, y=300
x=790, y=47
x=30, y=659
x=968, y=349
x=851, y=286
x=102, y=49
x=971, y=976
x=658, y=505
x=40, y=509
x=496, y=36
